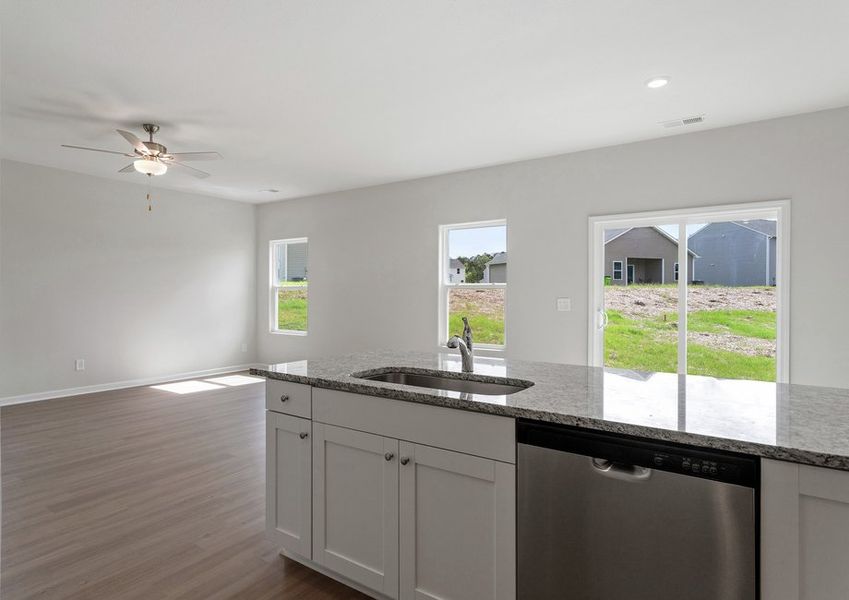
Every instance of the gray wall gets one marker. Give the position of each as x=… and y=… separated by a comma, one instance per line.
x=546, y=203
x=640, y=243
x=498, y=273
x=733, y=255
x=89, y=273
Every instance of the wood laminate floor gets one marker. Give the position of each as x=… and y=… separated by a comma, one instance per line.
x=142, y=493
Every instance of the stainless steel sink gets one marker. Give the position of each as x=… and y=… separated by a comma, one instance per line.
x=438, y=381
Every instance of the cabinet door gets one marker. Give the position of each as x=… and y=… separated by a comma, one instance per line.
x=458, y=526
x=804, y=532
x=355, y=506
x=288, y=483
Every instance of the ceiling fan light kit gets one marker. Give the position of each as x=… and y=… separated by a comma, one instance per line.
x=150, y=166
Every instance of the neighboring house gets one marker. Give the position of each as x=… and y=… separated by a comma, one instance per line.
x=456, y=271
x=642, y=255
x=291, y=262
x=495, y=271
x=736, y=253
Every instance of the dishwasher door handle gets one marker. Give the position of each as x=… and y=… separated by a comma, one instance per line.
x=623, y=472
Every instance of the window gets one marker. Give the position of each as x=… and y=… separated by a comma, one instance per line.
x=288, y=278
x=705, y=291
x=617, y=270
x=478, y=253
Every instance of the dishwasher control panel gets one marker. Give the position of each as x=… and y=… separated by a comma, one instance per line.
x=695, y=465
x=717, y=465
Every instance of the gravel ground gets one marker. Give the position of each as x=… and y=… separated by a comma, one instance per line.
x=647, y=301
x=734, y=343
x=485, y=302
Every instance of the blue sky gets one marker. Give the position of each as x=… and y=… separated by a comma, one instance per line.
x=469, y=242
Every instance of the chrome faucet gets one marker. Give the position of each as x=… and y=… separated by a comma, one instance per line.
x=465, y=346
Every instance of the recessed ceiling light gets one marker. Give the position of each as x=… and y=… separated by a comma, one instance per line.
x=657, y=82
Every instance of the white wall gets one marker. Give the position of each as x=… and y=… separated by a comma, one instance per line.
x=88, y=273
x=373, y=266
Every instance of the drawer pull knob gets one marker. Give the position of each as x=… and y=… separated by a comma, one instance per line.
x=388, y=456
x=284, y=398
x=303, y=435
x=404, y=460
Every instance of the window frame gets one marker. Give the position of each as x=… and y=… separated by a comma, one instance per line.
x=274, y=288
x=446, y=286
x=613, y=270
x=597, y=318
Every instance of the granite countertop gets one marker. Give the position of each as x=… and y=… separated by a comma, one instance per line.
x=796, y=423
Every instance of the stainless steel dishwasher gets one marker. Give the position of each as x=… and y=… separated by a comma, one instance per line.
x=609, y=517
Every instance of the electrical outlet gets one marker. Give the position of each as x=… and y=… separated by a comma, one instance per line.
x=244, y=347
x=79, y=364
x=564, y=304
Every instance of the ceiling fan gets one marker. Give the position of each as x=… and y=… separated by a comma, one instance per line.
x=152, y=158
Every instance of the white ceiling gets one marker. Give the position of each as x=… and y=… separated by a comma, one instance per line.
x=308, y=96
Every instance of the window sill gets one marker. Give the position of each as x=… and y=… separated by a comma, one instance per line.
x=287, y=332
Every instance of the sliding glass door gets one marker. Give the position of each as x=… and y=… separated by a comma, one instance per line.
x=700, y=292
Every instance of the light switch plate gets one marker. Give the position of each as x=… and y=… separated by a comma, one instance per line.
x=79, y=364
x=564, y=304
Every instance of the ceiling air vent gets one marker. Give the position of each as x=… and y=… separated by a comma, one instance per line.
x=684, y=121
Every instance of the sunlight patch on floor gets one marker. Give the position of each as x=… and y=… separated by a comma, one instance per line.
x=187, y=387
x=213, y=383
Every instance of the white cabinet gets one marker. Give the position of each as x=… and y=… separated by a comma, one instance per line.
x=457, y=530
x=355, y=496
x=804, y=532
x=431, y=517
x=288, y=482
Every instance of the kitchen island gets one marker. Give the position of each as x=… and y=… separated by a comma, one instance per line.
x=801, y=433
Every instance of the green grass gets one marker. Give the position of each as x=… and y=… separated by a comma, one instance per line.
x=485, y=328
x=702, y=360
x=748, y=323
x=651, y=344
x=292, y=310
x=639, y=344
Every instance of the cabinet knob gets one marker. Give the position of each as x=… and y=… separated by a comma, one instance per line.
x=284, y=397
x=303, y=435
x=404, y=460
x=388, y=456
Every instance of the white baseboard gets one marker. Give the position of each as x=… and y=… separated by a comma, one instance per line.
x=117, y=385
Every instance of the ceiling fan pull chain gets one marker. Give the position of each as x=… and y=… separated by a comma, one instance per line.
x=149, y=207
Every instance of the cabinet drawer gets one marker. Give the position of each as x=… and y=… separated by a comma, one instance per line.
x=288, y=398
x=480, y=434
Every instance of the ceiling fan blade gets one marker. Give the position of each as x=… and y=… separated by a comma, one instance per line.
x=96, y=150
x=190, y=170
x=136, y=142
x=130, y=168
x=186, y=156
